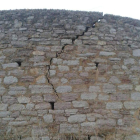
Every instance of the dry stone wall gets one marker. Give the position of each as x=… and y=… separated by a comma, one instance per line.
x=69, y=75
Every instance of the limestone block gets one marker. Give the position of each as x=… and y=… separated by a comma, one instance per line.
x=108, y=122
x=3, y=107
x=80, y=104
x=78, y=118
x=136, y=52
x=63, y=68
x=114, y=105
x=4, y=114
x=17, y=90
x=109, y=88
x=10, y=80
x=10, y=65
x=125, y=87
x=69, y=128
x=88, y=96
x=94, y=89
x=63, y=89
x=16, y=107
x=48, y=118
x=102, y=53
x=132, y=105
x=9, y=99
x=23, y=99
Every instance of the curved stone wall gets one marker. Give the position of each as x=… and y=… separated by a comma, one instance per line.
x=69, y=75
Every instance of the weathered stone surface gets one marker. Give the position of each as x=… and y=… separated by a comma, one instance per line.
x=23, y=99
x=125, y=87
x=94, y=89
x=2, y=90
x=48, y=118
x=40, y=89
x=114, y=105
x=62, y=105
x=9, y=100
x=135, y=96
x=109, y=88
x=136, y=52
x=108, y=122
x=16, y=107
x=106, y=53
x=114, y=80
x=88, y=96
x=10, y=80
x=77, y=118
x=80, y=104
x=63, y=89
x=10, y=65
x=29, y=113
x=3, y=107
x=132, y=105
x=4, y=114
x=17, y=90
x=69, y=97
x=43, y=106
x=18, y=123
x=69, y=128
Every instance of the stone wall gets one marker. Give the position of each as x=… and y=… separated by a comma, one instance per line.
x=69, y=74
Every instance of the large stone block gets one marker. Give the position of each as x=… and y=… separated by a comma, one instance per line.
x=23, y=99
x=135, y=96
x=16, y=107
x=10, y=80
x=136, y=52
x=41, y=89
x=48, y=118
x=109, y=88
x=80, y=104
x=62, y=105
x=3, y=107
x=78, y=118
x=17, y=90
x=132, y=105
x=69, y=128
x=88, y=96
x=114, y=105
x=63, y=89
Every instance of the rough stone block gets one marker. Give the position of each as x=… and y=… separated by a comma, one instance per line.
x=23, y=99
x=69, y=97
x=77, y=118
x=132, y=105
x=108, y=122
x=62, y=106
x=135, y=96
x=136, y=52
x=63, y=89
x=114, y=105
x=80, y=104
x=94, y=89
x=10, y=80
x=88, y=96
x=102, y=53
x=41, y=89
x=125, y=87
x=3, y=107
x=16, y=107
x=43, y=106
x=9, y=99
x=48, y=118
x=17, y=90
x=69, y=128
x=109, y=88
x=63, y=68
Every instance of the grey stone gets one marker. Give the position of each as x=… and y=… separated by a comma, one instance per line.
x=136, y=52
x=114, y=80
x=129, y=61
x=88, y=96
x=2, y=90
x=3, y=107
x=48, y=118
x=135, y=96
x=132, y=105
x=114, y=105
x=94, y=89
x=102, y=53
x=10, y=65
x=80, y=104
x=69, y=128
x=109, y=88
x=77, y=118
x=10, y=80
x=125, y=87
x=23, y=99
x=71, y=62
x=17, y=90
x=18, y=123
x=41, y=89
x=63, y=89
x=108, y=122
x=15, y=107
x=63, y=68
x=4, y=114
x=66, y=41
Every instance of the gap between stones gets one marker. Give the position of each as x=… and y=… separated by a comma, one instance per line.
x=62, y=50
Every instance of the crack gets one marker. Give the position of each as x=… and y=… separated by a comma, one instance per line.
x=62, y=50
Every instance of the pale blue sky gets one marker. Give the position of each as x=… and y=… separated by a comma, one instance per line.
x=128, y=8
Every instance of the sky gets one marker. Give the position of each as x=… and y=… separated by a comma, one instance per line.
x=125, y=8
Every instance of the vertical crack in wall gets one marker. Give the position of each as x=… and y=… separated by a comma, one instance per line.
x=62, y=50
